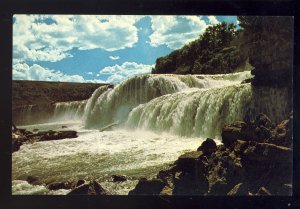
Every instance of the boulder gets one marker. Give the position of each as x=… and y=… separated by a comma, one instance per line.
x=148, y=187
x=59, y=185
x=16, y=143
x=53, y=135
x=220, y=187
x=166, y=191
x=193, y=183
x=267, y=164
x=240, y=189
x=265, y=153
x=283, y=133
x=80, y=182
x=208, y=146
x=119, y=178
x=263, y=192
x=231, y=133
x=263, y=120
x=286, y=189
x=187, y=161
x=32, y=180
x=90, y=188
x=167, y=173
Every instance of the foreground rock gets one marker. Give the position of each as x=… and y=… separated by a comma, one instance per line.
x=119, y=178
x=254, y=159
x=89, y=188
x=22, y=136
x=148, y=187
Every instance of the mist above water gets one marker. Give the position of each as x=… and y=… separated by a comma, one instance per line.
x=159, y=117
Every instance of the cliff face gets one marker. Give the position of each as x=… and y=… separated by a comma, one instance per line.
x=270, y=41
x=43, y=92
x=36, y=98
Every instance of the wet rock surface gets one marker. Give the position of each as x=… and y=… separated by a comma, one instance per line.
x=118, y=178
x=254, y=159
x=22, y=136
x=89, y=188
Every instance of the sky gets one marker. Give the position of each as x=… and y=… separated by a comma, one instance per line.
x=98, y=48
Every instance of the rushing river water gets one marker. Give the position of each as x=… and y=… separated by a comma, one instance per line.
x=159, y=118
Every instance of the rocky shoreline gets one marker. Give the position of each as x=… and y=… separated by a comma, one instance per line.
x=22, y=136
x=254, y=159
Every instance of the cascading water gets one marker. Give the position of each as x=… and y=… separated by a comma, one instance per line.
x=64, y=111
x=187, y=105
x=114, y=105
x=160, y=116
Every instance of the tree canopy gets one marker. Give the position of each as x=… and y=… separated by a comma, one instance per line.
x=211, y=53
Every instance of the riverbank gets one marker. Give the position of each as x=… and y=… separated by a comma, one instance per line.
x=254, y=159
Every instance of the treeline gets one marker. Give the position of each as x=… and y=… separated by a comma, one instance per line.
x=218, y=50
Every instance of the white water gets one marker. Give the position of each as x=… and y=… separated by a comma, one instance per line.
x=160, y=116
x=98, y=155
x=65, y=111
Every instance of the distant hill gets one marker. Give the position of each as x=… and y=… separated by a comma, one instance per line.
x=45, y=92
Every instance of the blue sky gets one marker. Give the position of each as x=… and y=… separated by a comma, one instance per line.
x=89, y=48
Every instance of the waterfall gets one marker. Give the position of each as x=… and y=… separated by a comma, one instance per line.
x=204, y=112
x=64, y=111
x=186, y=105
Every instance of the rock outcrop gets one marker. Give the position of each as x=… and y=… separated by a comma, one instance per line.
x=254, y=159
x=270, y=41
x=21, y=136
x=89, y=188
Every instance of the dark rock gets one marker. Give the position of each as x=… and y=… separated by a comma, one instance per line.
x=17, y=143
x=191, y=183
x=240, y=146
x=219, y=188
x=240, y=189
x=64, y=126
x=248, y=80
x=283, y=133
x=80, y=182
x=263, y=120
x=263, y=192
x=167, y=173
x=208, y=146
x=119, y=178
x=268, y=165
x=166, y=191
x=35, y=130
x=91, y=188
x=260, y=130
x=265, y=153
x=59, y=185
x=32, y=180
x=286, y=189
x=148, y=187
x=53, y=135
x=231, y=133
x=187, y=161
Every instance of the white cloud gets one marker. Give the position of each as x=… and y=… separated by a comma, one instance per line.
x=213, y=20
x=114, y=57
x=175, y=31
x=22, y=71
x=90, y=73
x=50, y=37
x=118, y=73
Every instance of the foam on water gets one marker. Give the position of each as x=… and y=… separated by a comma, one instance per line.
x=98, y=155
